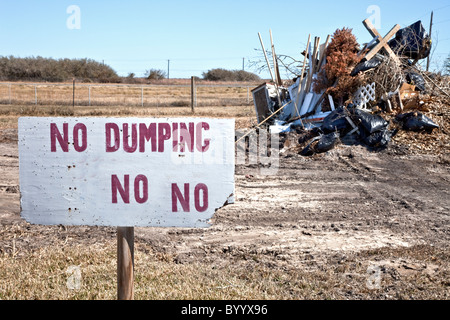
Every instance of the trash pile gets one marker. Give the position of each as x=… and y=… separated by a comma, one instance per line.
x=348, y=92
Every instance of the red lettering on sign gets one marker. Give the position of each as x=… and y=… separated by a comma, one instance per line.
x=63, y=140
x=205, y=146
x=201, y=187
x=176, y=195
x=145, y=134
x=175, y=137
x=137, y=196
x=183, y=136
x=140, y=188
x=126, y=146
x=200, y=206
x=56, y=135
x=187, y=137
x=115, y=128
x=163, y=134
x=76, y=133
x=117, y=186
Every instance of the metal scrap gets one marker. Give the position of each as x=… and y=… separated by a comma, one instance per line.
x=298, y=105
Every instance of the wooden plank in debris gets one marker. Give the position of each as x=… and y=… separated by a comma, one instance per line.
x=374, y=33
x=382, y=41
x=400, y=103
x=275, y=62
x=355, y=128
x=431, y=28
x=312, y=64
x=330, y=98
x=368, y=45
x=300, y=87
x=315, y=53
x=270, y=69
x=267, y=59
x=323, y=52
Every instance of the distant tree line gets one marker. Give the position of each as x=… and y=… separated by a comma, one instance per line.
x=88, y=70
x=55, y=70
x=217, y=74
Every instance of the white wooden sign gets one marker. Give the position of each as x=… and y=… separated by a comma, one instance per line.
x=125, y=171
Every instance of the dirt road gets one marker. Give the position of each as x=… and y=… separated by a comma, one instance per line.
x=347, y=211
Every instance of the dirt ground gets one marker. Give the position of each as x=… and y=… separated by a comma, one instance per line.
x=349, y=211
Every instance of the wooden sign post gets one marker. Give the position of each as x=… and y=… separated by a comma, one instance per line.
x=125, y=263
x=126, y=173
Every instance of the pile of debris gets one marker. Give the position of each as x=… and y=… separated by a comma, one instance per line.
x=348, y=93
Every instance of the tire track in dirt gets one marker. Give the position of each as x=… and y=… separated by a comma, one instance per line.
x=309, y=208
x=407, y=194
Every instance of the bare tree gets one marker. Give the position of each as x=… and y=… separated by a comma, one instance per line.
x=292, y=67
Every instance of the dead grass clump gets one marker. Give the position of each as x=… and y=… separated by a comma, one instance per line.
x=47, y=274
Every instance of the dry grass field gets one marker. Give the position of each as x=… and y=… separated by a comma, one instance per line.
x=348, y=224
x=175, y=94
x=10, y=113
x=164, y=100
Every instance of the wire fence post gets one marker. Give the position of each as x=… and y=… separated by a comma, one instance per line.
x=35, y=94
x=9, y=93
x=142, y=96
x=193, y=94
x=89, y=87
x=73, y=95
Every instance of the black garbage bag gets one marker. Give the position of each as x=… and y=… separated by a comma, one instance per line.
x=366, y=65
x=309, y=134
x=327, y=142
x=412, y=42
x=336, y=121
x=310, y=150
x=307, y=151
x=379, y=139
x=416, y=121
x=416, y=79
x=370, y=122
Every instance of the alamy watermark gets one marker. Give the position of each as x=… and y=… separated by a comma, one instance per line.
x=258, y=150
x=375, y=17
x=74, y=277
x=373, y=280
x=74, y=19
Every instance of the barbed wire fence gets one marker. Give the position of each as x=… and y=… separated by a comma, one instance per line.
x=148, y=95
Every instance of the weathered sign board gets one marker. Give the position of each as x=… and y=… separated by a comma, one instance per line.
x=163, y=172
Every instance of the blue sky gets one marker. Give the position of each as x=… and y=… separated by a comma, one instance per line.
x=196, y=35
